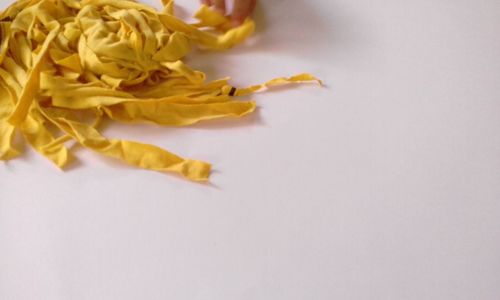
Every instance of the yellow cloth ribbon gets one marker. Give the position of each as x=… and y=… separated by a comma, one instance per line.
x=65, y=64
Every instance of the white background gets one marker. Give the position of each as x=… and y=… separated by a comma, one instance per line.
x=383, y=185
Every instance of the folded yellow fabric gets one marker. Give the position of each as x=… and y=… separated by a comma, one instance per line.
x=65, y=64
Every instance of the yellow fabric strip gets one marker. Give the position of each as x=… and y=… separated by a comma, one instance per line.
x=7, y=150
x=7, y=131
x=174, y=114
x=31, y=86
x=275, y=82
x=137, y=154
x=42, y=140
x=5, y=38
x=67, y=64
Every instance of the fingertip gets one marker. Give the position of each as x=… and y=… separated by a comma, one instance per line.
x=220, y=6
x=253, y=5
x=237, y=21
x=221, y=11
x=241, y=10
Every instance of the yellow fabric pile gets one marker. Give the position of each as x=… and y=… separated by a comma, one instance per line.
x=66, y=64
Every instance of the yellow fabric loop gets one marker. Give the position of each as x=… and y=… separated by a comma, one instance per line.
x=66, y=64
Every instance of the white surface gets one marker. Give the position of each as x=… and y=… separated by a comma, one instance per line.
x=385, y=185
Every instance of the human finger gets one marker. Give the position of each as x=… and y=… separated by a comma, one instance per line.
x=220, y=6
x=241, y=10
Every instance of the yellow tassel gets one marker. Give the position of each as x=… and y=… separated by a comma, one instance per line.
x=113, y=59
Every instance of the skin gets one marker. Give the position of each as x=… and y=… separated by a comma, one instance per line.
x=241, y=8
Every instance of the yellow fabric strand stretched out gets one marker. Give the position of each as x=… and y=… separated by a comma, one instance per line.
x=61, y=60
